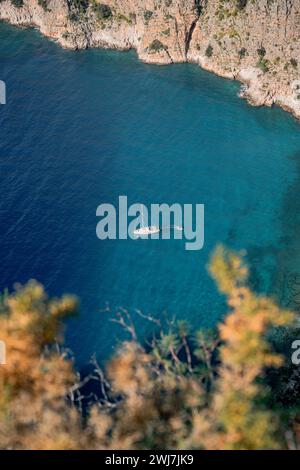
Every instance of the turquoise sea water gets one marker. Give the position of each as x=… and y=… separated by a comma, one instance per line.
x=82, y=128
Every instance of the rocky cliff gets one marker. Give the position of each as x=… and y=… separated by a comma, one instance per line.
x=255, y=41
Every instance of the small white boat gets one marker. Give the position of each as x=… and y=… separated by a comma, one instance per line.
x=146, y=230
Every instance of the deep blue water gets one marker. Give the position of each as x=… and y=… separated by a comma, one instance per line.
x=82, y=128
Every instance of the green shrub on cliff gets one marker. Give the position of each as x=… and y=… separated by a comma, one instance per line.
x=148, y=15
x=241, y=4
x=44, y=4
x=294, y=63
x=102, y=10
x=157, y=46
x=17, y=3
x=261, y=51
x=242, y=52
x=263, y=65
x=76, y=9
x=209, y=51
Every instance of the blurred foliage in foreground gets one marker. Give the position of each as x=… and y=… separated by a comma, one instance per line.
x=234, y=388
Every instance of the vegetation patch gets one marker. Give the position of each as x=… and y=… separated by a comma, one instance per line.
x=294, y=63
x=148, y=15
x=209, y=51
x=263, y=65
x=241, y=4
x=80, y=5
x=120, y=17
x=166, y=32
x=44, y=4
x=261, y=51
x=157, y=46
x=242, y=52
x=102, y=11
x=17, y=3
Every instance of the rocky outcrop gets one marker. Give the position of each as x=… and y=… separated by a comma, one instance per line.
x=254, y=41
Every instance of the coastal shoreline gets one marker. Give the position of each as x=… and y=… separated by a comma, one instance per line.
x=265, y=80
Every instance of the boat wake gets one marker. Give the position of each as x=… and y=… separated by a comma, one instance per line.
x=174, y=227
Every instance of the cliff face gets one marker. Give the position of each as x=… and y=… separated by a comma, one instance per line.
x=255, y=41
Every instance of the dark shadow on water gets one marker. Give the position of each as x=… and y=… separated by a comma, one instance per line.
x=275, y=269
x=286, y=278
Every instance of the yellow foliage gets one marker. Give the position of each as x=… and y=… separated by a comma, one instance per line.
x=34, y=382
x=156, y=402
x=240, y=422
